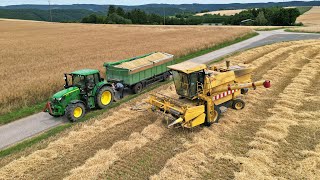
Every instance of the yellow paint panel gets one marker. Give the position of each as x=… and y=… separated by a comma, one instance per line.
x=199, y=120
x=244, y=79
x=193, y=112
x=223, y=100
x=223, y=78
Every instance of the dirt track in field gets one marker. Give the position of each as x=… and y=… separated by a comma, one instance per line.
x=276, y=135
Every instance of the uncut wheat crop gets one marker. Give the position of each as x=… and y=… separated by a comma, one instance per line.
x=34, y=55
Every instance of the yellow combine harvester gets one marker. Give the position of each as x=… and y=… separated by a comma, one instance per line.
x=203, y=91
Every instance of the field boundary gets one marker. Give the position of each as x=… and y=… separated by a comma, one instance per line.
x=300, y=31
x=12, y=116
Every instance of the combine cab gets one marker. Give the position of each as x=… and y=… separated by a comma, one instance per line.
x=204, y=91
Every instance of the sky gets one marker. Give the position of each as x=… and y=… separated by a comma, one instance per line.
x=129, y=2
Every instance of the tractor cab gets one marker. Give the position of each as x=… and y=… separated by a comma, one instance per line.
x=83, y=90
x=188, y=78
x=84, y=79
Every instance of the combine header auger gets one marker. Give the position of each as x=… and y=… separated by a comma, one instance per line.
x=203, y=91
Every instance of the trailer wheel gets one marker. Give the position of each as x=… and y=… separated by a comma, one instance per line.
x=217, y=111
x=137, y=88
x=75, y=111
x=238, y=104
x=166, y=76
x=104, y=97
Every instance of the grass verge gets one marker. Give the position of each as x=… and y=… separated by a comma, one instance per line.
x=219, y=46
x=269, y=29
x=20, y=113
x=300, y=31
x=28, y=143
x=34, y=140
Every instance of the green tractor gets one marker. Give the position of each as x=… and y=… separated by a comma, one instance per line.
x=86, y=91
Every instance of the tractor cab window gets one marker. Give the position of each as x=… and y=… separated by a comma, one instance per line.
x=97, y=78
x=90, y=80
x=78, y=81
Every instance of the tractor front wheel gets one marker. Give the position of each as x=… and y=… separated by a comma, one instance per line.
x=104, y=97
x=238, y=104
x=75, y=111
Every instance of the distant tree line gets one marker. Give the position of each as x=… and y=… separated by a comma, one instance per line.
x=116, y=15
x=274, y=16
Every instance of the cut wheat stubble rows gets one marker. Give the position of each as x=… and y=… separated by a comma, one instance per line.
x=103, y=159
x=125, y=166
x=34, y=56
x=195, y=167
x=129, y=168
x=77, y=146
x=259, y=162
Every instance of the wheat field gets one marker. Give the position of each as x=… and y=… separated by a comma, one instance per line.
x=34, y=55
x=222, y=12
x=276, y=136
x=311, y=19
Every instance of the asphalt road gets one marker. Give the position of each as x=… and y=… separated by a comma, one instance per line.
x=24, y=128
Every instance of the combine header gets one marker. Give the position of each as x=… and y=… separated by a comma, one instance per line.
x=203, y=91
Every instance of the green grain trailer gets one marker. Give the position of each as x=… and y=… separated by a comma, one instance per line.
x=138, y=72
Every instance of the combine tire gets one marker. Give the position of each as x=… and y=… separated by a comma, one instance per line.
x=137, y=88
x=75, y=111
x=238, y=104
x=217, y=111
x=104, y=97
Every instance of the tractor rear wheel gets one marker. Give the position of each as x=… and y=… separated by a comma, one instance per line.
x=104, y=97
x=217, y=112
x=76, y=111
x=137, y=88
x=238, y=104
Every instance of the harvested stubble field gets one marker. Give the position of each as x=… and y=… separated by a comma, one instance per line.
x=276, y=136
x=34, y=55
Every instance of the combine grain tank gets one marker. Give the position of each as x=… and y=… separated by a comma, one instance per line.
x=138, y=72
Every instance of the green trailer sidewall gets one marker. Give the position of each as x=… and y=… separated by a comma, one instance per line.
x=128, y=78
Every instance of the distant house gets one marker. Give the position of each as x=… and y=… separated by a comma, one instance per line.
x=212, y=24
x=246, y=22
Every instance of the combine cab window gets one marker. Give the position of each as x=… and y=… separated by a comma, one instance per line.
x=193, y=84
x=187, y=84
x=181, y=83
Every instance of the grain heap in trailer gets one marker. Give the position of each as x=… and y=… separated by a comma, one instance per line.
x=138, y=72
